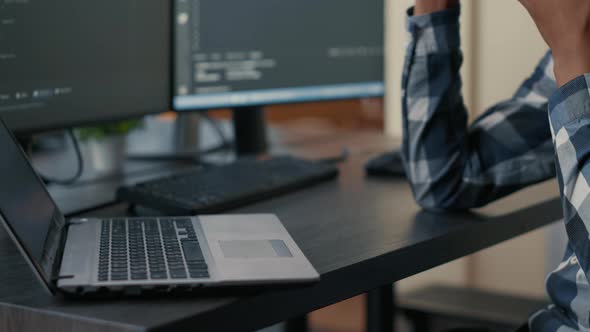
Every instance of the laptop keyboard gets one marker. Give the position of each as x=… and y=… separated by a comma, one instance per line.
x=149, y=249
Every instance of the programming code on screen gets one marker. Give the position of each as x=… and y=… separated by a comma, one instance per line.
x=234, y=52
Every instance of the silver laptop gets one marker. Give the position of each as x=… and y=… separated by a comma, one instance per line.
x=134, y=254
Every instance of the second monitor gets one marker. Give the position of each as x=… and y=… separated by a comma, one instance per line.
x=240, y=54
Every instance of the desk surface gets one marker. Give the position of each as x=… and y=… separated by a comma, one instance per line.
x=359, y=233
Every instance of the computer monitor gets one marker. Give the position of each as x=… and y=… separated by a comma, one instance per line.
x=74, y=62
x=243, y=54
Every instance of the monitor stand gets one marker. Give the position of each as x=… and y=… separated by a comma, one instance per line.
x=250, y=136
x=186, y=132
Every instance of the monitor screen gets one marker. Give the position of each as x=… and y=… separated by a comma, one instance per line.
x=72, y=62
x=27, y=208
x=232, y=53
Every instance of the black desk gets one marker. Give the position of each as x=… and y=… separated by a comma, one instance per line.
x=359, y=233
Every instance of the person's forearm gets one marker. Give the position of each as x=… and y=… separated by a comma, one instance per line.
x=424, y=7
x=449, y=166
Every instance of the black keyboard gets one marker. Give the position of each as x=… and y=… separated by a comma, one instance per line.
x=150, y=249
x=218, y=188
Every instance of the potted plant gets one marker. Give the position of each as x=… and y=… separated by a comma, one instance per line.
x=106, y=145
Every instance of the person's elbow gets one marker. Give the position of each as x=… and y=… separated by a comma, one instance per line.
x=442, y=193
x=428, y=200
x=438, y=184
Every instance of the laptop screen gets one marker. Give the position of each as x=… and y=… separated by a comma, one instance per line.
x=26, y=206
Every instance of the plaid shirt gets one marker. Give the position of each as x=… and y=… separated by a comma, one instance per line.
x=453, y=165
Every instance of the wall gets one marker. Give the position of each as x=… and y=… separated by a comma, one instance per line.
x=507, y=50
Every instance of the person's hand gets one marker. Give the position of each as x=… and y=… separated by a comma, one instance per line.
x=565, y=26
x=430, y=6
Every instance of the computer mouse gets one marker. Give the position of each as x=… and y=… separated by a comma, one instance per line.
x=386, y=165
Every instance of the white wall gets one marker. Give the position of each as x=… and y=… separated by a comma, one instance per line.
x=508, y=48
x=395, y=42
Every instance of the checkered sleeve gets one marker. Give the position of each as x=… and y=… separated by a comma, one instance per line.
x=569, y=114
x=453, y=165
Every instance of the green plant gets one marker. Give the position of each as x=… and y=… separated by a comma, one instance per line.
x=107, y=129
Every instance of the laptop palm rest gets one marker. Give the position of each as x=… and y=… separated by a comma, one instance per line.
x=254, y=249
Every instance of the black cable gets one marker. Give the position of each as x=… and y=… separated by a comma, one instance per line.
x=225, y=142
x=79, y=171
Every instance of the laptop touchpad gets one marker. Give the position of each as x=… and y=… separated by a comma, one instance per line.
x=254, y=249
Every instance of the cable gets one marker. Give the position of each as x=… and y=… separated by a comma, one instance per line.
x=225, y=142
x=79, y=171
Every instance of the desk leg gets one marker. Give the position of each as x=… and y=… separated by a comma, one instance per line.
x=380, y=309
x=298, y=324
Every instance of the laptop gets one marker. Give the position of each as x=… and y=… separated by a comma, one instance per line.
x=86, y=256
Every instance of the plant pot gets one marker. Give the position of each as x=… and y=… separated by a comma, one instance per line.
x=106, y=155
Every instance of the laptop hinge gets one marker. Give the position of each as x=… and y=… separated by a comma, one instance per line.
x=56, y=279
x=75, y=222
x=61, y=248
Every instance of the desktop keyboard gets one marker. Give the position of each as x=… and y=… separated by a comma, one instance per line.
x=218, y=188
x=149, y=249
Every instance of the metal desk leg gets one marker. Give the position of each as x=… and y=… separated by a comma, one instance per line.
x=380, y=309
x=298, y=324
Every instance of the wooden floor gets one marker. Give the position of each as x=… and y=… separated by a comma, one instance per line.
x=347, y=316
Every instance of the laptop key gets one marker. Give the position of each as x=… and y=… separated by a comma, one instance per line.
x=119, y=278
x=159, y=275
x=199, y=274
x=192, y=251
x=139, y=276
x=197, y=265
